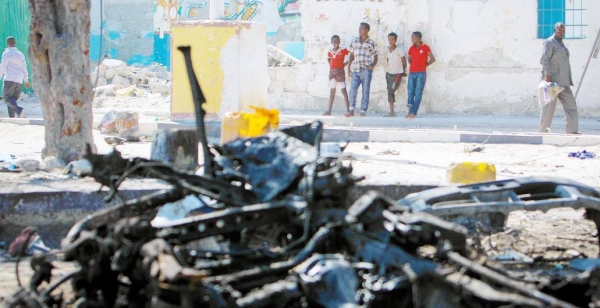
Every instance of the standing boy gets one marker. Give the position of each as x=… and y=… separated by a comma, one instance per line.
x=14, y=72
x=396, y=65
x=337, y=75
x=419, y=58
x=363, y=58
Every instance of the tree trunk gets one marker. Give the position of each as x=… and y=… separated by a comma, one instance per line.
x=59, y=52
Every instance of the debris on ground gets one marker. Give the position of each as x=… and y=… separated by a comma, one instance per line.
x=582, y=154
x=115, y=77
x=28, y=242
x=388, y=152
x=108, y=124
x=473, y=149
x=269, y=224
x=114, y=140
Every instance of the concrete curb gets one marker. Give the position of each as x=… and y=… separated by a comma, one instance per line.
x=54, y=212
x=336, y=134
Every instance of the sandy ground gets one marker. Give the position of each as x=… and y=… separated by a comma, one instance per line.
x=381, y=163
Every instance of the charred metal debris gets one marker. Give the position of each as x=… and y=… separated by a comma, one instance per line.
x=277, y=230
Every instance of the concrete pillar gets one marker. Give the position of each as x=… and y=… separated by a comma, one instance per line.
x=230, y=61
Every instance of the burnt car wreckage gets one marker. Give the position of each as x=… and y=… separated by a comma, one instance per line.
x=281, y=233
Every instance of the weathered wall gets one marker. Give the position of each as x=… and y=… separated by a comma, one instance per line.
x=230, y=63
x=129, y=26
x=122, y=30
x=487, y=51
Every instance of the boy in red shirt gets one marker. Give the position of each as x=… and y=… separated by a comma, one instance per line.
x=419, y=57
x=337, y=75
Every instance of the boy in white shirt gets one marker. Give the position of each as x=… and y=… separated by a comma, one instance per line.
x=394, y=70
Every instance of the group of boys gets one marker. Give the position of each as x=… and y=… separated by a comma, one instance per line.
x=363, y=56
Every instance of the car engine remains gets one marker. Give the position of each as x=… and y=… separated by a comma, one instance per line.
x=276, y=229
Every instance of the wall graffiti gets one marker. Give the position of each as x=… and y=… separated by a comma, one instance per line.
x=273, y=13
x=165, y=12
x=193, y=10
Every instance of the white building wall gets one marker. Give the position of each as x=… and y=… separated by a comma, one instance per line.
x=487, y=52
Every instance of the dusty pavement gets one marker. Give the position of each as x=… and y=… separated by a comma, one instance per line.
x=383, y=163
x=555, y=235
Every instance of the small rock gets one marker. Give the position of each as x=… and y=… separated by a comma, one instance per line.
x=50, y=163
x=78, y=167
x=118, y=80
x=388, y=152
x=147, y=72
x=97, y=72
x=101, y=81
x=161, y=88
x=110, y=73
x=109, y=89
x=123, y=72
x=115, y=140
x=113, y=63
x=28, y=165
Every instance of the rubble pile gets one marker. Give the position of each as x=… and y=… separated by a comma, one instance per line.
x=115, y=77
x=268, y=224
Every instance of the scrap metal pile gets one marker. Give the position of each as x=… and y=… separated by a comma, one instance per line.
x=276, y=229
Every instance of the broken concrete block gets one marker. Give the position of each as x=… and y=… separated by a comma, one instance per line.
x=160, y=87
x=147, y=72
x=160, y=71
x=118, y=80
x=110, y=73
x=110, y=89
x=113, y=63
x=141, y=80
x=123, y=72
x=50, y=163
x=101, y=82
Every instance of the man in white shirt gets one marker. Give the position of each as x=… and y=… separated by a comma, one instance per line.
x=394, y=70
x=13, y=70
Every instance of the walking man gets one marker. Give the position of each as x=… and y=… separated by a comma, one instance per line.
x=419, y=58
x=14, y=72
x=556, y=68
x=363, y=58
